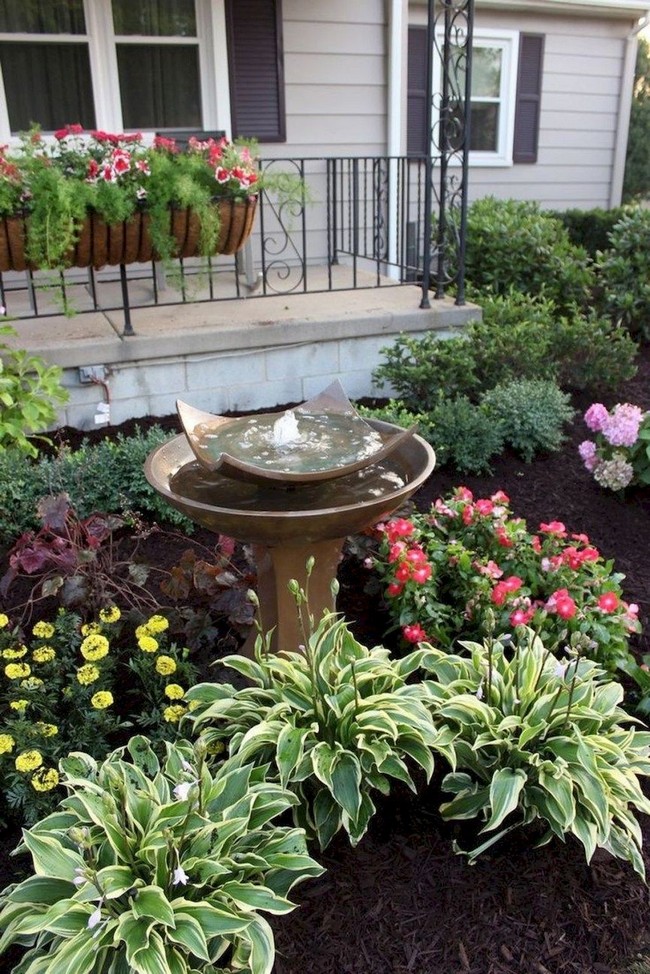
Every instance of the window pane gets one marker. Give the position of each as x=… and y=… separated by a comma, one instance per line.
x=42, y=17
x=485, y=128
x=168, y=18
x=59, y=90
x=486, y=72
x=159, y=86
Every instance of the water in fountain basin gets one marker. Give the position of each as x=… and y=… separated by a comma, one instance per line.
x=295, y=443
x=193, y=481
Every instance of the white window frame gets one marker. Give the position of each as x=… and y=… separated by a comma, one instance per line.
x=508, y=42
x=211, y=37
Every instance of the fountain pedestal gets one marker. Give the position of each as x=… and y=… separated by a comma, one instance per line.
x=287, y=522
x=278, y=609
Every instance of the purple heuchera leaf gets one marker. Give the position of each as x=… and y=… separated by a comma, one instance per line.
x=53, y=512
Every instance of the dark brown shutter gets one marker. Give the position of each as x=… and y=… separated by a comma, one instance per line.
x=416, y=118
x=529, y=97
x=256, y=69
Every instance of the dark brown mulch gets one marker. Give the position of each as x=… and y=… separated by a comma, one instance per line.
x=403, y=902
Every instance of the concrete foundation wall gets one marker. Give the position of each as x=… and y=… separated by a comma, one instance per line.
x=241, y=364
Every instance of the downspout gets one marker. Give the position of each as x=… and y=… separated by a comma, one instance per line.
x=397, y=14
x=625, y=106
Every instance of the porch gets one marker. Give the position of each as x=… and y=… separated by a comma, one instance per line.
x=317, y=293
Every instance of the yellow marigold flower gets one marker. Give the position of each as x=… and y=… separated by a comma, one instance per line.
x=174, y=713
x=157, y=624
x=19, y=704
x=148, y=644
x=44, y=630
x=4, y=620
x=44, y=654
x=94, y=647
x=17, y=671
x=102, y=699
x=174, y=691
x=29, y=761
x=31, y=683
x=165, y=665
x=7, y=743
x=110, y=614
x=14, y=653
x=87, y=674
x=89, y=628
x=45, y=779
x=47, y=730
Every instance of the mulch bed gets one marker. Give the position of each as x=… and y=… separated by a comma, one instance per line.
x=403, y=902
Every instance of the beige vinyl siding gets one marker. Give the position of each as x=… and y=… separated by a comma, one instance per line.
x=581, y=87
x=335, y=69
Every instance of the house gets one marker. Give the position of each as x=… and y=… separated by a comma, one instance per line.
x=338, y=91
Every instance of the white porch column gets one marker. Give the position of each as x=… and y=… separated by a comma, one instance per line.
x=397, y=16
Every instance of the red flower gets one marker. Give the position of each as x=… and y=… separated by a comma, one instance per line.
x=512, y=583
x=421, y=574
x=608, y=601
x=536, y=544
x=562, y=603
x=403, y=572
x=416, y=556
x=399, y=528
x=554, y=527
x=499, y=593
x=414, y=633
x=394, y=589
x=503, y=538
x=395, y=551
x=468, y=514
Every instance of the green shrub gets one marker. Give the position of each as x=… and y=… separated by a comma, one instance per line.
x=625, y=273
x=336, y=723
x=520, y=337
x=106, y=477
x=530, y=413
x=590, y=228
x=537, y=739
x=513, y=244
x=460, y=431
x=156, y=868
x=30, y=390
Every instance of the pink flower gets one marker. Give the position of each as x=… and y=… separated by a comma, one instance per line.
x=500, y=498
x=394, y=589
x=484, y=507
x=536, y=544
x=521, y=617
x=416, y=556
x=512, y=583
x=414, y=633
x=554, y=527
x=464, y=494
x=596, y=416
x=503, y=538
x=608, y=601
x=622, y=426
x=492, y=570
x=499, y=593
x=587, y=451
x=396, y=551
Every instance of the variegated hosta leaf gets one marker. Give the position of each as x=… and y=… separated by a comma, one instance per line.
x=532, y=738
x=201, y=859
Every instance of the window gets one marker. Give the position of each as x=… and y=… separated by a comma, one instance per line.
x=123, y=65
x=505, y=95
x=493, y=96
x=46, y=42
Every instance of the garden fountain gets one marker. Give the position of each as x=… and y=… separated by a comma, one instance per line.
x=292, y=485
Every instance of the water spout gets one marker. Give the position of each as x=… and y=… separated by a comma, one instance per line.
x=285, y=430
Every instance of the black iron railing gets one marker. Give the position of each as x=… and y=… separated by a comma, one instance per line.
x=362, y=224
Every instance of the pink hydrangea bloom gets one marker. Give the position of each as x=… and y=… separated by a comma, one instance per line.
x=621, y=428
x=587, y=451
x=596, y=416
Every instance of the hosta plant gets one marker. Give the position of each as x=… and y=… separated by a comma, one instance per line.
x=336, y=722
x=537, y=739
x=445, y=570
x=150, y=869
